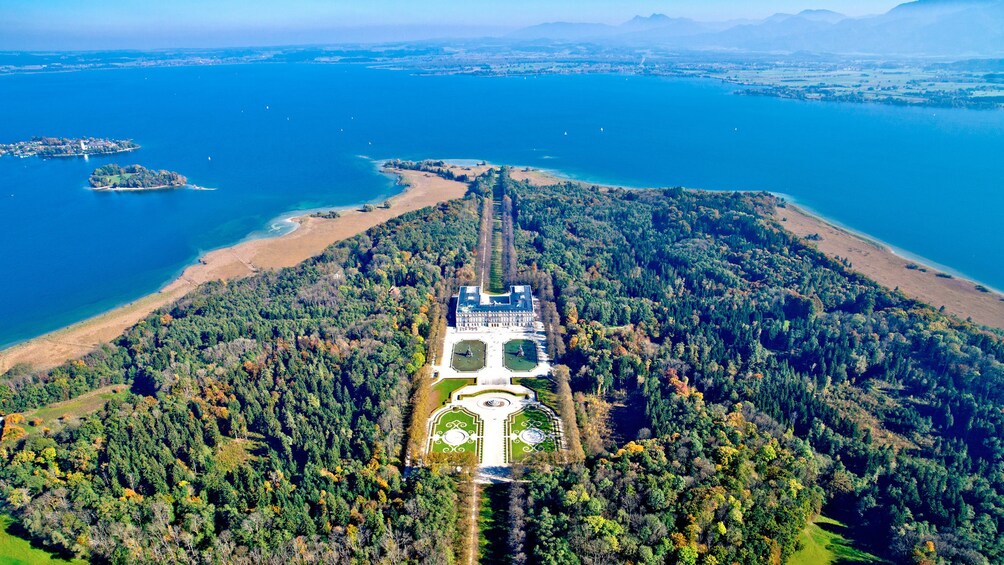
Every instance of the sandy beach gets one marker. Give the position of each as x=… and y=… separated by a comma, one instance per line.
x=879, y=263
x=312, y=236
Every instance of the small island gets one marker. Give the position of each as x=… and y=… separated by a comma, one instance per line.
x=135, y=177
x=67, y=147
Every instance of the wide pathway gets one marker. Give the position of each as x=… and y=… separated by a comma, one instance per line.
x=495, y=371
x=493, y=398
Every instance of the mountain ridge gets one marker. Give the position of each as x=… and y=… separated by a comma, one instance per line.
x=918, y=28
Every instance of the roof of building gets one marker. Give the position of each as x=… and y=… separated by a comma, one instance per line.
x=471, y=299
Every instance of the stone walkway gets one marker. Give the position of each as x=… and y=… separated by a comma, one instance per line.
x=494, y=405
x=495, y=371
x=494, y=398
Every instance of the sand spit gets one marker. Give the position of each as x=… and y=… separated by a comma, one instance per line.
x=312, y=236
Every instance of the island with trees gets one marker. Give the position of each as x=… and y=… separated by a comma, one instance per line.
x=67, y=147
x=135, y=177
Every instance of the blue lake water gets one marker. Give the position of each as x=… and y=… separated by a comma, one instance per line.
x=275, y=138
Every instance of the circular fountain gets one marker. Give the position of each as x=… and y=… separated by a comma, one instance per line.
x=455, y=437
x=532, y=436
x=495, y=403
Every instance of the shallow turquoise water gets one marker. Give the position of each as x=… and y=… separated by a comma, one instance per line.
x=279, y=137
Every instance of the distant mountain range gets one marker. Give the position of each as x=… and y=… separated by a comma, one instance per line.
x=923, y=27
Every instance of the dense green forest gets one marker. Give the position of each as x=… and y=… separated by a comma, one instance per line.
x=729, y=383
x=670, y=294
x=266, y=422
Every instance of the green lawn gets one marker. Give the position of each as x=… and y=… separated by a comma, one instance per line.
x=495, y=283
x=493, y=524
x=456, y=419
x=544, y=389
x=55, y=416
x=18, y=551
x=514, y=361
x=116, y=178
x=530, y=419
x=823, y=544
x=468, y=356
x=485, y=391
x=442, y=390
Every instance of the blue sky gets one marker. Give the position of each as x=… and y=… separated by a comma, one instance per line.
x=82, y=24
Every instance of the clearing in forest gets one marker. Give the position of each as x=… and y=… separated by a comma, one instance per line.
x=16, y=550
x=54, y=416
x=822, y=544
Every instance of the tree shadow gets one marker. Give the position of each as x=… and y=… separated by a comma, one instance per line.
x=14, y=528
x=845, y=544
x=628, y=418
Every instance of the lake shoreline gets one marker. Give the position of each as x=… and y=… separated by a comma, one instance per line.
x=305, y=151
x=917, y=277
x=310, y=237
x=138, y=188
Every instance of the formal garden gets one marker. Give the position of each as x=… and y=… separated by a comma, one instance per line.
x=468, y=356
x=531, y=430
x=456, y=431
x=520, y=355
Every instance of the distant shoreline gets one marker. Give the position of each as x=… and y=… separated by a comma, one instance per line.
x=137, y=188
x=66, y=148
x=188, y=186
x=78, y=155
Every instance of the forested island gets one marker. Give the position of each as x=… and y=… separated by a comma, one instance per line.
x=727, y=382
x=67, y=147
x=134, y=177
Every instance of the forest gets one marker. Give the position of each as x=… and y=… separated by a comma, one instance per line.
x=665, y=296
x=265, y=420
x=729, y=384
x=135, y=177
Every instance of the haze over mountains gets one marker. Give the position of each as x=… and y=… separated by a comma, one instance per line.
x=923, y=27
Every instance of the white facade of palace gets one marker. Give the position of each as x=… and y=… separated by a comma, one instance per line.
x=476, y=309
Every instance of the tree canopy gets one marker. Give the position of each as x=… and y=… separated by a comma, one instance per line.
x=729, y=382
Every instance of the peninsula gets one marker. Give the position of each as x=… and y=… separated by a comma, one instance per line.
x=134, y=177
x=682, y=343
x=67, y=147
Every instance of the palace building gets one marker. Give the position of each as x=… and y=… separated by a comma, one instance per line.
x=476, y=309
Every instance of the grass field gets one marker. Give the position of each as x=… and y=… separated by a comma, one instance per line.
x=442, y=390
x=485, y=390
x=107, y=180
x=516, y=362
x=468, y=363
x=530, y=419
x=15, y=550
x=493, y=526
x=544, y=389
x=232, y=453
x=55, y=416
x=495, y=282
x=823, y=544
x=456, y=419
